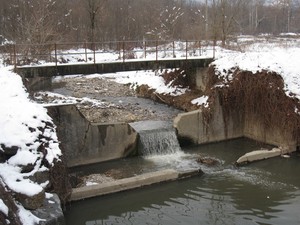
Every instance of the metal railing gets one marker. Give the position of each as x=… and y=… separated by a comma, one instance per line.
x=95, y=52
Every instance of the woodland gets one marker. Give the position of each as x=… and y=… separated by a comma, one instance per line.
x=49, y=21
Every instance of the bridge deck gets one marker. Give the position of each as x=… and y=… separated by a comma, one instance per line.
x=110, y=67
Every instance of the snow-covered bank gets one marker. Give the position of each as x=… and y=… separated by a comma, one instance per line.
x=283, y=61
x=263, y=53
x=28, y=142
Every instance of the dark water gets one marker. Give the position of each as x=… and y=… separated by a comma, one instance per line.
x=265, y=192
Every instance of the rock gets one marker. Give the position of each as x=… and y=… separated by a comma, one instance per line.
x=31, y=202
x=50, y=213
x=207, y=161
x=2, y=157
x=114, y=173
x=26, y=168
x=9, y=150
x=40, y=177
x=75, y=181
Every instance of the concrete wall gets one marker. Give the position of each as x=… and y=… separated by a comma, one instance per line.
x=256, y=130
x=199, y=127
x=198, y=77
x=38, y=83
x=83, y=142
x=222, y=125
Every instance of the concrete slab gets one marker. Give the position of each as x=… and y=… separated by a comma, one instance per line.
x=260, y=155
x=130, y=183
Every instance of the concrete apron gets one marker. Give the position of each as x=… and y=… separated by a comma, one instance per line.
x=131, y=183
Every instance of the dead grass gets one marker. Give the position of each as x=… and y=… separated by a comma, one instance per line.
x=175, y=78
x=260, y=95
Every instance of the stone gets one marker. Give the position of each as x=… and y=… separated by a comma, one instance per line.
x=2, y=157
x=207, y=161
x=40, y=177
x=51, y=212
x=9, y=150
x=31, y=202
x=26, y=168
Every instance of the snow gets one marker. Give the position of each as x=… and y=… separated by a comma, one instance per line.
x=283, y=61
x=20, y=120
x=3, y=208
x=153, y=79
x=136, y=78
x=201, y=101
x=23, y=158
x=26, y=217
x=89, y=183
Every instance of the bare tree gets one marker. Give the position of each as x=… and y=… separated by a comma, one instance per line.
x=94, y=9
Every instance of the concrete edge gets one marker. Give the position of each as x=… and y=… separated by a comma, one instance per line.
x=261, y=155
x=131, y=183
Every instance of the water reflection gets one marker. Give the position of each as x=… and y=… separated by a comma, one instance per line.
x=262, y=193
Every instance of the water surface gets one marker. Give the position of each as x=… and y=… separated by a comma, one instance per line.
x=265, y=192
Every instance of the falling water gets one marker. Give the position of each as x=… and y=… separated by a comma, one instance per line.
x=156, y=138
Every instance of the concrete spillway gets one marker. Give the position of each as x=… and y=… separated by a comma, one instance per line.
x=156, y=138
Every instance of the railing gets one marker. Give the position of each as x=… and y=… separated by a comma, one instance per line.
x=58, y=53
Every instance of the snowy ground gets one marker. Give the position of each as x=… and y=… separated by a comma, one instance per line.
x=280, y=55
x=20, y=119
x=18, y=112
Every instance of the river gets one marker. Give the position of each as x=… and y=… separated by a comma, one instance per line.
x=265, y=192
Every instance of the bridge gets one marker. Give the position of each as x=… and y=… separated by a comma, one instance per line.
x=110, y=67
x=42, y=62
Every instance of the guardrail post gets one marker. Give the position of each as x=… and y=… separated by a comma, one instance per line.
x=85, y=51
x=156, y=50
x=145, y=49
x=94, y=49
x=186, y=49
x=55, y=53
x=15, y=57
x=214, y=49
x=123, y=51
x=174, y=56
x=120, y=50
x=200, y=48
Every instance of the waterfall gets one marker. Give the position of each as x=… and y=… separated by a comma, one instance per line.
x=156, y=138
